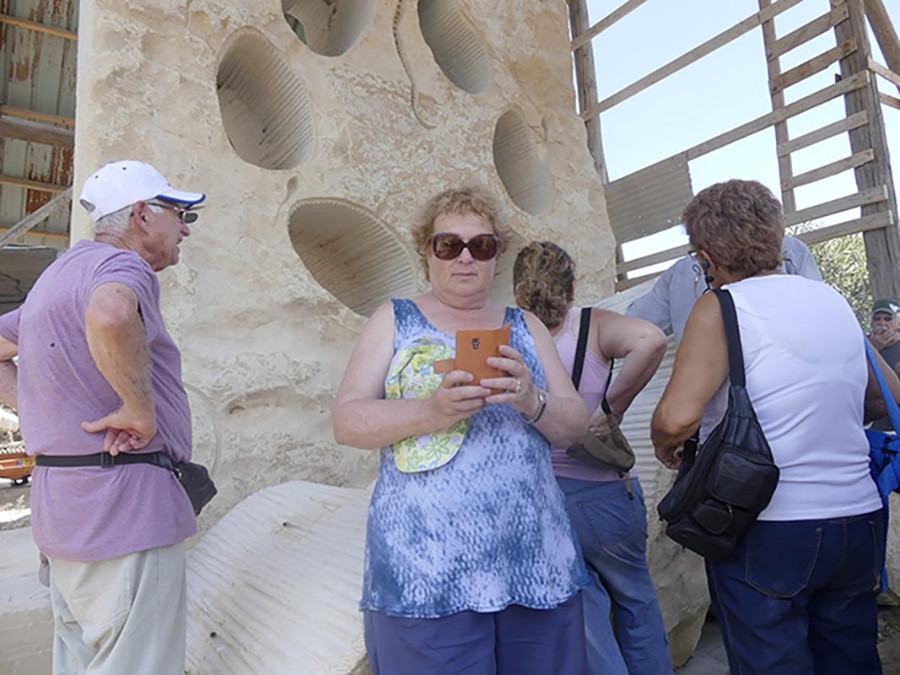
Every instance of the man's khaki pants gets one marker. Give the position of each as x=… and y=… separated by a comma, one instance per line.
x=123, y=616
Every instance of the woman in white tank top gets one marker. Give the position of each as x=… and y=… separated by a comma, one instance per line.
x=799, y=597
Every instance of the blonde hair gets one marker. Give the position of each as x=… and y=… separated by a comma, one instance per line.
x=544, y=278
x=462, y=201
x=739, y=224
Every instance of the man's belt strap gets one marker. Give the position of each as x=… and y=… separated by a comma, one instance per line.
x=107, y=460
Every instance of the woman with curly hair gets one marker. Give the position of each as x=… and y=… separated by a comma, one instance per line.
x=471, y=565
x=606, y=507
x=799, y=595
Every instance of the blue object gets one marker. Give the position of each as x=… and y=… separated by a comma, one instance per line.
x=884, y=450
x=513, y=641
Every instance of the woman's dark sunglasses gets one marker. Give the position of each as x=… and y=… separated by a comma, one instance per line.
x=448, y=246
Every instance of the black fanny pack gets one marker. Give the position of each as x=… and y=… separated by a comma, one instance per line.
x=194, y=478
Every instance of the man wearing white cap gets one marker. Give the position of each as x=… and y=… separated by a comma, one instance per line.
x=98, y=389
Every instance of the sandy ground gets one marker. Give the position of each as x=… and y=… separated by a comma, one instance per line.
x=709, y=658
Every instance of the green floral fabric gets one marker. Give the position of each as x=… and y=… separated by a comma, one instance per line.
x=412, y=375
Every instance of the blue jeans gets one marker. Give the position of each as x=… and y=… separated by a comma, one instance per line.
x=611, y=525
x=799, y=597
x=513, y=641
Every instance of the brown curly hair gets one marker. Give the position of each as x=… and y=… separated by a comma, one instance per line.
x=543, y=279
x=739, y=223
x=464, y=200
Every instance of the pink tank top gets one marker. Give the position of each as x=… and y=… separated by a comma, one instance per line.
x=591, y=389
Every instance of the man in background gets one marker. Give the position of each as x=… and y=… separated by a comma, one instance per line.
x=669, y=302
x=885, y=337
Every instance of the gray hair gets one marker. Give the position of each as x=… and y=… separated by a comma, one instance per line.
x=117, y=221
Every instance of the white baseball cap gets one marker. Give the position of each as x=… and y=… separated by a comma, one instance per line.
x=120, y=184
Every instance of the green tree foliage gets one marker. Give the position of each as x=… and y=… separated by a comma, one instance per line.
x=842, y=262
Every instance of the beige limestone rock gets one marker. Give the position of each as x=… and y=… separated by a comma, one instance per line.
x=893, y=544
x=316, y=161
x=273, y=587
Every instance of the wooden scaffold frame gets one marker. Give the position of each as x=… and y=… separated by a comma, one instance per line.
x=636, y=212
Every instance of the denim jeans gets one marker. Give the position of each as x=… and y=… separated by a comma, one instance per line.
x=611, y=525
x=514, y=641
x=799, y=597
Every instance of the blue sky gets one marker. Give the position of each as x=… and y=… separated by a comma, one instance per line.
x=716, y=94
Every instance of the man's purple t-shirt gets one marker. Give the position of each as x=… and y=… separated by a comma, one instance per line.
x=87, y=514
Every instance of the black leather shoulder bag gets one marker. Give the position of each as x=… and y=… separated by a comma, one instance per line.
x=721, y=489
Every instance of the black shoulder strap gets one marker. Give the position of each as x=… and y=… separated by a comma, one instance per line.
x=605, y=402
x=733, y=335
x=583, y=329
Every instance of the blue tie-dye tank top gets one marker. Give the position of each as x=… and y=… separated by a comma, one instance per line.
x=486, y=530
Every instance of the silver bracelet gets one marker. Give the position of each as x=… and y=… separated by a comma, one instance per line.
x=542, y=406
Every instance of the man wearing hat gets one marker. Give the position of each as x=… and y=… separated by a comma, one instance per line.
x=98, y=389
x=885, y=337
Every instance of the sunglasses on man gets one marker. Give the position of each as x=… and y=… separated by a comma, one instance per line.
x=482, y=247
x=186, y=216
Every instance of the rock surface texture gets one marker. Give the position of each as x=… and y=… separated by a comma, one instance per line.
x=318, y=130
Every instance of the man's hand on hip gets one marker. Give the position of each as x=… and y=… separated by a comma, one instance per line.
x=126, y=430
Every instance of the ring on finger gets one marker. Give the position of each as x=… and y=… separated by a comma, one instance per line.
x=518, y=388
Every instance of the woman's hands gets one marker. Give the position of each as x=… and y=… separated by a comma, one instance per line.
x=457, y=398
x=600, y=423
x=517, y=388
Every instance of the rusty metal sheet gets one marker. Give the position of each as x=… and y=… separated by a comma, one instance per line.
x=37, y=72
x=649, y=200
x=19, y=269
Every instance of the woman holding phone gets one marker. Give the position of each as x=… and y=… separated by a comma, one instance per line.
x=471, y=562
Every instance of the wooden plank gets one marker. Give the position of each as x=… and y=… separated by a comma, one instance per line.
x=883, y=245
x=832, y=169
x=654, y=259
x=586, y=35
x=889, y=100
x=650, y=200
x=36, y=132
x=864, y=198
x=817, y=98
x=884, y=33
x=807, y=32
x=32, y=184
x=625, y=284
x=690, y=57
x=773, y=67
x=39, y=27
x=889, y=75
x=814, y=65
x=828, y=131
x=36, y=116
x=61, y=200
x=586, y=81
x=876, y=221
x=39, y=233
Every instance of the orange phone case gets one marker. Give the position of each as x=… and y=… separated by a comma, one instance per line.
x=473, y=347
